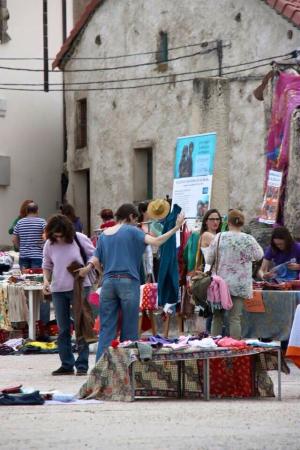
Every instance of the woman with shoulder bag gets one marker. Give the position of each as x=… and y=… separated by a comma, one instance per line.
x=197, y=247
x=60, y=251
x=236, y=252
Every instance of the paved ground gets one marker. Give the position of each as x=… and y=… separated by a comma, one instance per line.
x=144, y=424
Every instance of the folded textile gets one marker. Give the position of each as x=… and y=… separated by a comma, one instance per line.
x=230, y=342
x=21, y=399
x=145, y=351
x=203, y=343
x=218, y=293
x=15, y=344
x=6, y=350
x=257, y=343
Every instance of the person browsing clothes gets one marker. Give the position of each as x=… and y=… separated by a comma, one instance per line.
x=120, y=251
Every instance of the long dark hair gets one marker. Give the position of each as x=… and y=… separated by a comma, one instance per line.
x=69, y=211
x=206, y=216
x=124, y=212
x=284, y=234
x=58, y=223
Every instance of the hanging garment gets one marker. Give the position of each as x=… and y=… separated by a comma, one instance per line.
x=5, y=323
x=17, y=305
x=218, y=293
x=168, y=279
x=83, y=316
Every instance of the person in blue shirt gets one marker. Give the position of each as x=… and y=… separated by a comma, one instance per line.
x=120, y=250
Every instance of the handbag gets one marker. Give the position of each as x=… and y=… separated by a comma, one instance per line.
x=201, y=281
x=93, y=274
x=148, y=297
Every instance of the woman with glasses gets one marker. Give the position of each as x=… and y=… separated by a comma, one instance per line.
x=234, y=251
x=60, y=250
x=198, y=243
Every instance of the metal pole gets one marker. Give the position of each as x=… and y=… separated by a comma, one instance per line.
x=45, y=45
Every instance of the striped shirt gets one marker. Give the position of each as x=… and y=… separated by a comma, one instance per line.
x=30, y=233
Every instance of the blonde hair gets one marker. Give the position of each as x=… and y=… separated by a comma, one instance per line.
x=236, y=218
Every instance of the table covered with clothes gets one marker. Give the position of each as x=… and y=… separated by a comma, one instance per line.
x=122, y=374
x=276, y=320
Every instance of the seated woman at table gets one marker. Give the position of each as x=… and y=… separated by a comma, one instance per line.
x=283, y=249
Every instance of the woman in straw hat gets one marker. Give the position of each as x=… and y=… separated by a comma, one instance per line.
x=120, y=250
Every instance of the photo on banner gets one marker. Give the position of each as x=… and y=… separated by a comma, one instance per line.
x=195, y=155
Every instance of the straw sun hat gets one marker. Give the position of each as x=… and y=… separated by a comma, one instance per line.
x=158, y=209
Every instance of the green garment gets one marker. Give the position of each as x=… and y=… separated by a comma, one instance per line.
x=190, y=251
x=13, y=224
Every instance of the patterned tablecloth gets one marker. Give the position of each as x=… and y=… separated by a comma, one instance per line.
x=119, y=375
x=276, y=322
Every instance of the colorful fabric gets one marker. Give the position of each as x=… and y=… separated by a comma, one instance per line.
x=30, y=233
x=293, y=350
x=168, y=277
x=236, y=253
x=5, y=323
x=190, y=251
x=120, y=376
x=218, y=293
x=148, y=298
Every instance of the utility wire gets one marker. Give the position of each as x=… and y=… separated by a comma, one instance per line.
x=151, y=77
x=152, y=63
x=100, y=69
x=132, y=86
x=201, y=44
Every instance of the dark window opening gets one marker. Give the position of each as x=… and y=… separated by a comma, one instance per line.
x=143, y=174
x=162, y=51
x=81, y=123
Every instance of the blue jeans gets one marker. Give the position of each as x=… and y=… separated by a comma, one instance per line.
x=62, y=303
x=36, y=263
x=118, y=294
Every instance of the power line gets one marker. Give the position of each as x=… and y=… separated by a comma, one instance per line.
x=132, y=86
x=100, y=69
x=155, y=76
x=201, y=44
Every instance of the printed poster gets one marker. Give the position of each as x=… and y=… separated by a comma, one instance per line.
x=195, y=155
x=269, y=209
x=193, y=195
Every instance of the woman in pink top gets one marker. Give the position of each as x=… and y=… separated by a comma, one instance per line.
x=60, y=250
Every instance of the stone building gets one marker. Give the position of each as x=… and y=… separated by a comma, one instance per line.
x=191, y=67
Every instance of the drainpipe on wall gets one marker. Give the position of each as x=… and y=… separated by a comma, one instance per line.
x=64, y=175
x=220, y=55
x=45, y=45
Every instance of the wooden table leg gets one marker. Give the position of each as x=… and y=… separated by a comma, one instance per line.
x=166, y=326
x=153, y=323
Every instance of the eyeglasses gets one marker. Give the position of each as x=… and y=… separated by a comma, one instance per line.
x=215, y=219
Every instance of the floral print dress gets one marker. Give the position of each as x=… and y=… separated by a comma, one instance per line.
x=236, y=253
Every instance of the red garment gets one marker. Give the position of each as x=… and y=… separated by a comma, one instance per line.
x=108, y=224
x=184, y=237
x=230, y=342
x=230, y=377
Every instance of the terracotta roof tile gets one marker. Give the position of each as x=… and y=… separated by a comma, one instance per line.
x=81, y=23
x=289, y=9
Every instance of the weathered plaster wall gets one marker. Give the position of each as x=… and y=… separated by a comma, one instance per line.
x=117, y=120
